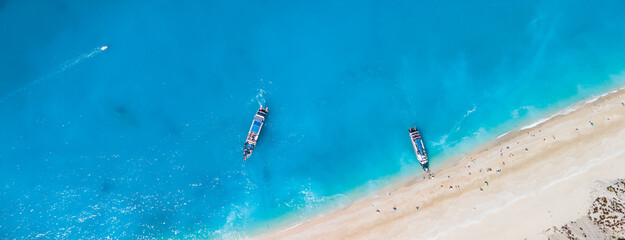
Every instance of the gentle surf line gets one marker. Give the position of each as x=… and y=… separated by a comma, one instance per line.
x=565, y=111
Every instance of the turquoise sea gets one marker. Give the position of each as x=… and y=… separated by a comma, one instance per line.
x=144, y=140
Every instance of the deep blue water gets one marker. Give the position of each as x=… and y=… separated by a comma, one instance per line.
x=145, y=139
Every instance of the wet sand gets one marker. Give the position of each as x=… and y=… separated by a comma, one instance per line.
x=515, y=187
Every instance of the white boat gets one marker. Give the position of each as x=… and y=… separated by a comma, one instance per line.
x=419, y=149
x=252, y=136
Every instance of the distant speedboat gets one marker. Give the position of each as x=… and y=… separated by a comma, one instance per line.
x=419, y=149
x=252, y=136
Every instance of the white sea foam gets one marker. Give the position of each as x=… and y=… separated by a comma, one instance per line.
x=537, y=122
x=310, y=201
x=229, y=230
x=503, y=134
x=566, y=111
x=592, y=100
x=289, y=228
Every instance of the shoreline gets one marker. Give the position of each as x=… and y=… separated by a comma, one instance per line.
x=403, y=189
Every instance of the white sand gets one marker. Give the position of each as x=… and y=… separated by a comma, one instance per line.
x=546, y=186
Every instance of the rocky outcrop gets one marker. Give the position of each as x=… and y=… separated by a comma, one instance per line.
x=605, y=218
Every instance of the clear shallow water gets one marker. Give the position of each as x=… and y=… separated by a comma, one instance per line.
x=144, y=139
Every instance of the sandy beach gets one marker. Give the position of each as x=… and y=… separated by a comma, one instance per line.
x=515, y=187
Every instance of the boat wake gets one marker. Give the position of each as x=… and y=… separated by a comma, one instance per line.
x=264, y=89
x=60, y=69
x=260, y=98
x=72, y=62
x=455, y=129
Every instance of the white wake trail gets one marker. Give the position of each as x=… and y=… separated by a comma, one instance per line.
x=260, y=99
x=72, y=62
x=58, y=70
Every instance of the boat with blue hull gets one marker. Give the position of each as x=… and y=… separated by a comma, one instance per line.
x=252, y=135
